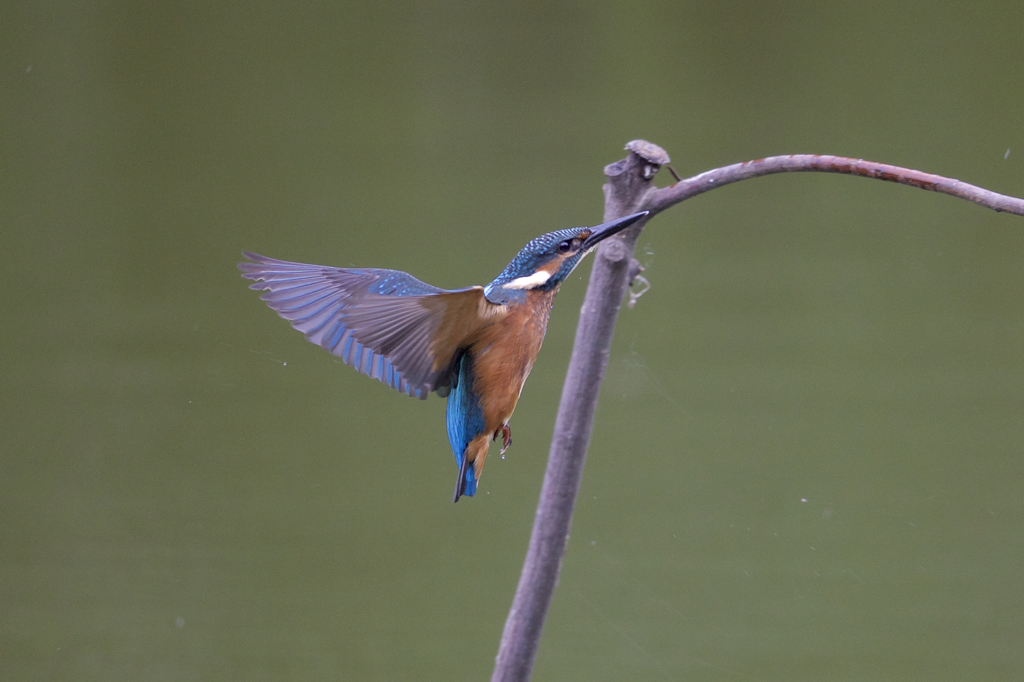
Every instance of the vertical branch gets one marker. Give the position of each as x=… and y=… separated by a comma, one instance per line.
x=629, y=182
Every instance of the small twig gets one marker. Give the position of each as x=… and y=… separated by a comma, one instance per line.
x=635, y=268
x=660, y=199
x=629, y=189
x=634, y=296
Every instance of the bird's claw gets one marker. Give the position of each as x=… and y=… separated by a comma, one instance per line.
x=506, y=437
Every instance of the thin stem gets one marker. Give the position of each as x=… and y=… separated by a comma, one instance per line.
x=665, y=197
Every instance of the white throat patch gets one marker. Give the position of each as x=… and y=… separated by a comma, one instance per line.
x=529, y=282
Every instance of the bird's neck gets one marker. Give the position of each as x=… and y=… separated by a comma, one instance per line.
x=497, y=293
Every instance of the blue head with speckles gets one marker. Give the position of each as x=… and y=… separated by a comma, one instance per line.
x=546, y=261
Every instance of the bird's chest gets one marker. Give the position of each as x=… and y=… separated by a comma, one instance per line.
x=504, y=354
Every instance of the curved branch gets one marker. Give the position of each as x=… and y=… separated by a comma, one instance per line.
x=660, y=199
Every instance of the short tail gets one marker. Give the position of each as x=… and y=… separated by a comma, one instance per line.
x=465, y=484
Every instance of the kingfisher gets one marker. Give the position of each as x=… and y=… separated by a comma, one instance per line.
x=474, y=346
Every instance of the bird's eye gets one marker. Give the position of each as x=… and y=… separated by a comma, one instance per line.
x=563, y=247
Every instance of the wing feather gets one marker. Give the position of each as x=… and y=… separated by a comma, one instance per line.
x=384, y=323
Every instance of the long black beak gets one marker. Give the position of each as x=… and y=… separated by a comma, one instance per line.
x=605, y=230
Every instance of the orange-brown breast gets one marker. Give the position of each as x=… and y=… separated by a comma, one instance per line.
x=504, y=354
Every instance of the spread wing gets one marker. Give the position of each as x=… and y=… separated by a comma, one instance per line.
x=385, y=323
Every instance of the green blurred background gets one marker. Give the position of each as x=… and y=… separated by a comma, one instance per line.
x=808, y=461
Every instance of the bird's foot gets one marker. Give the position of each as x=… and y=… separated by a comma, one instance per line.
x=506, y=437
